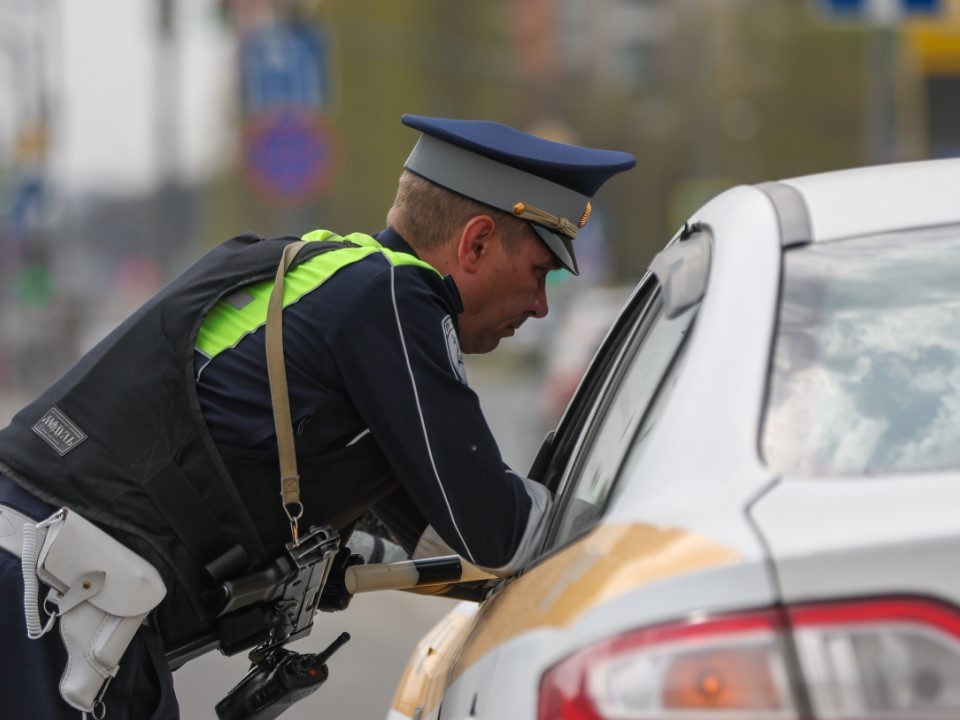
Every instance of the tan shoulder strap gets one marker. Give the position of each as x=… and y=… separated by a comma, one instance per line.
x=279, y=396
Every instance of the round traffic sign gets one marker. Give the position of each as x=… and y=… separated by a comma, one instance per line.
x=290, y=156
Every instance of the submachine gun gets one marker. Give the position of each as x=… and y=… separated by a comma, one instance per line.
x=268, y=609
x=276, y=605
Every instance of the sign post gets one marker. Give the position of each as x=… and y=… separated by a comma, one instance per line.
x=883, y=18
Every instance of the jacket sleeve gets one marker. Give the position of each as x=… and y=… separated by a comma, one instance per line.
x=397, y=351
x=420, y=540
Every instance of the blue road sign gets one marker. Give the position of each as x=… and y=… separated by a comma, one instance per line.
x=283, y=65
x=879, y=10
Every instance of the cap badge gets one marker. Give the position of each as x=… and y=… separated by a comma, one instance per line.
x=554, y=222
x=585, y=216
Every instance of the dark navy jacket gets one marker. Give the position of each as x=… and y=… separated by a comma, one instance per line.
x=374, y=351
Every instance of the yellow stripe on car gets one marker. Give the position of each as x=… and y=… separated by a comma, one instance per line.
x=605, y=564
x=425, y=677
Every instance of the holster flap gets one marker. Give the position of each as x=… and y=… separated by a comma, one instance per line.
x=76, y=554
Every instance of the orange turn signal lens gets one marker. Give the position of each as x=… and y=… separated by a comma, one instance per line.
x=723, y=679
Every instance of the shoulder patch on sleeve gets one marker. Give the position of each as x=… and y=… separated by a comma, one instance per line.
x=453, y=349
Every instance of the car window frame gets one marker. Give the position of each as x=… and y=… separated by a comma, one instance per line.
x=577, y=427
x=564, y=453
x=637, y=354
x=562, y=443
x=596, y=422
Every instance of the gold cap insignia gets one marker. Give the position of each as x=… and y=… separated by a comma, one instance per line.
x=542, y=217
x=585, y=216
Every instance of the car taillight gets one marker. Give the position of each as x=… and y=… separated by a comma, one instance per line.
x=896, y=659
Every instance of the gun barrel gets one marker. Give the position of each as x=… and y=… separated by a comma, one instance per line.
x=411, y=573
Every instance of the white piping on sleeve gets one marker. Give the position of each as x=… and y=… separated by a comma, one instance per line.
x=359, y=437
x=423, y=424
x=206, y=361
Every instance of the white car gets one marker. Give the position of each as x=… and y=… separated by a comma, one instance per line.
x=758, y=481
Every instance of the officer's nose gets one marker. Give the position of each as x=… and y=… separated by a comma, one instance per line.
x=538, y=306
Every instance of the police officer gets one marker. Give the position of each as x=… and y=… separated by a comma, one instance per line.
x=165, y=435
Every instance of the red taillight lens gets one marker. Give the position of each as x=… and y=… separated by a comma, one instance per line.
x=714, y=668
x=891, y=659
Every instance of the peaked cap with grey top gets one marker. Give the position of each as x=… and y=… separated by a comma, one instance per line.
x=547, y=183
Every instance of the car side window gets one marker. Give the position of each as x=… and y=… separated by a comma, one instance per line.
x=618, y=406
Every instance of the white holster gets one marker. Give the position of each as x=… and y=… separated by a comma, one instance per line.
x=102, y=592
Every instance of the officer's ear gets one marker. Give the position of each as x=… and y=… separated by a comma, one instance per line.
x=476, y=240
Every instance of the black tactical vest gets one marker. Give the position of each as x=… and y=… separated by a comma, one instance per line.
x=121, y=439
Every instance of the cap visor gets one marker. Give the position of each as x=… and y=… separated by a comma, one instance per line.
x=559, y=246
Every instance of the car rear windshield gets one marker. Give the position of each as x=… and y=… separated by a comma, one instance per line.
x=866, y=371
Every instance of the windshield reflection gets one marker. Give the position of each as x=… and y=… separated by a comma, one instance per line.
x=866, y=374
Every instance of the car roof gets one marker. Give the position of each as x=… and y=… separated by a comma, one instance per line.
x=880, y=198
